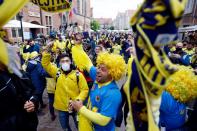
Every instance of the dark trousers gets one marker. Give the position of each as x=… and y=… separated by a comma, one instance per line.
x=40, y=99
x=64, y=120
x=51, y=101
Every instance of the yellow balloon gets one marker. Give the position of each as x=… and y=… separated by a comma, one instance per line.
x=9, y=8
x=53, y=5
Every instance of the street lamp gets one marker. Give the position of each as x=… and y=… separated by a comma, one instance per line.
x=20, y=16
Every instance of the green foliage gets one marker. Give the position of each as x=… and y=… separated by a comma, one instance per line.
x=111, y=28
x=95, y=25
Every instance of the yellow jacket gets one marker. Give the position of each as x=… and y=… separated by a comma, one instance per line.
x=51, y=85
x=116, y=49
x=66, y=87
x=60, y=45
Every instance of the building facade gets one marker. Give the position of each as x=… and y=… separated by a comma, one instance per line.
x=105, y=23
x=122, y=20
x=53, y=21
x=190, y=14
x=81, y=13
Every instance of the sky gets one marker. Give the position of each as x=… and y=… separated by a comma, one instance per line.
x=110, y=8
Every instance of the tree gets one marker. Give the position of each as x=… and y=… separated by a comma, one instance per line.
x=95, y=25
x=111, y=27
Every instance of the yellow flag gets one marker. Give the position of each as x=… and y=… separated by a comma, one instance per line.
x=9, y=8
x=3, y=53
x=53, y=5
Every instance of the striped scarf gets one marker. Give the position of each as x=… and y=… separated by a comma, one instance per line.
x=154, y=24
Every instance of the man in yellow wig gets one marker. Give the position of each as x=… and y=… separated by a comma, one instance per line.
x=105, y=97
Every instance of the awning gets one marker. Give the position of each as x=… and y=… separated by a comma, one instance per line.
x=189, y=28
x=17, y=24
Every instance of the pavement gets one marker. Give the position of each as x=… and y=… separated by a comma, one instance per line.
x=45, y=122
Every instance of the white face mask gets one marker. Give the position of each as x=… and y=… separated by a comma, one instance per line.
x=65, y=66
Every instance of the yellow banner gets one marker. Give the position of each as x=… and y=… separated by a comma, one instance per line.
x=9, y=8
x=53, y=5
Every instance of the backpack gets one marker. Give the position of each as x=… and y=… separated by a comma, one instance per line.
x=59, y=73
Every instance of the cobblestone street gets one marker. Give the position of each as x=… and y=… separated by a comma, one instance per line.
x=45, y=123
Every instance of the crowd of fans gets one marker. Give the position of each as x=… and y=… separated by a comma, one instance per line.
x=184, y=52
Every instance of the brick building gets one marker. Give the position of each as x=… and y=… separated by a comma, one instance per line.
x=81, y=13
x=33, y=14
x=190, y=14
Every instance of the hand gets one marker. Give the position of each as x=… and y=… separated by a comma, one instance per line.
x=50, y=44
x=29, y=106
x=77, y=105
x=48, y=47
x=177, y=56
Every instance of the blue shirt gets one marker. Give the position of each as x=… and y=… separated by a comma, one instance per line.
x=172, y=112
x=106, y=100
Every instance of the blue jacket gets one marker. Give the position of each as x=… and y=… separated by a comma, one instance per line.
x=125, y=46
x=186, y=59
x=37, y=75
x=172, y=112
x=33, y=48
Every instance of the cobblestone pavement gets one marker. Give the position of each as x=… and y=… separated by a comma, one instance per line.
x=45, y=123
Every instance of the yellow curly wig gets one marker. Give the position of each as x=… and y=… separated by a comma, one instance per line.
x=183, y=85
x=115, y=64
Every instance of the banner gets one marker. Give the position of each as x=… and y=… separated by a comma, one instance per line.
x=9, y=8
x=53, y=5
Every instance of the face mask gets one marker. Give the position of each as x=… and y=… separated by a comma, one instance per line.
x=65, y=67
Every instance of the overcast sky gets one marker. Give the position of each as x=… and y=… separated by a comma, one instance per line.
x=110, y=8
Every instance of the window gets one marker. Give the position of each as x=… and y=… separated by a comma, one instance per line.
x=48, y=20
x=19, y=32
x=16, y=32
x=17, y=17
x=83, y=7
x=189, y=7
x=78, y=7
